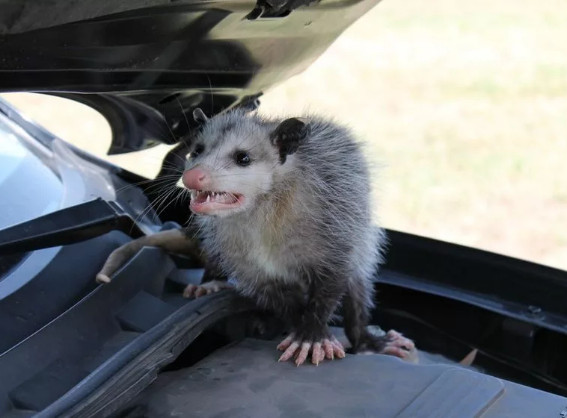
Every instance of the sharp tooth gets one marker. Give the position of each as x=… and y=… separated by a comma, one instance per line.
x=208, y=198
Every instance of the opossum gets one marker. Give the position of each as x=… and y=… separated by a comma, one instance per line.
x=283, y=208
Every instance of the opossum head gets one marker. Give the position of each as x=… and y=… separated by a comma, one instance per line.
x=237, y=158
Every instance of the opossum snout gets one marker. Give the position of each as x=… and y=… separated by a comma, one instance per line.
x=195, y=179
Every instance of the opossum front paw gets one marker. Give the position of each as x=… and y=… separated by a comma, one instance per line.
x=399, y=346
x=214, y=286
x=299, y=348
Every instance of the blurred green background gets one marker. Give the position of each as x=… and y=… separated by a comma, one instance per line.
x=462, y=107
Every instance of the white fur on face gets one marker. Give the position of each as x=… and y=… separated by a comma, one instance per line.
x=227, y=176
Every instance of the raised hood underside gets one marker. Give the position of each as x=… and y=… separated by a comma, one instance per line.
x=144, y=64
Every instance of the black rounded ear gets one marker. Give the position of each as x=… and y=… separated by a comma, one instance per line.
x=289, y=135
x=200, y=116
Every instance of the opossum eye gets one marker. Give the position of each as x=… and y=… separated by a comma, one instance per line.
x=199, y=148
x=242, y=158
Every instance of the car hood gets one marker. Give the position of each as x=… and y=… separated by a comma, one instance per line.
x=146, y=64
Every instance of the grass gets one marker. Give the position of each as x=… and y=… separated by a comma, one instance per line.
x=464, y=104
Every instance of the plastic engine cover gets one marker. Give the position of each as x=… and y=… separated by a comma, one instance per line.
x=245, y=380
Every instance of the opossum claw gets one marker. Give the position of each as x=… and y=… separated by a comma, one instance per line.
x=288, y=353
x=286, y=342
x=302, y=356
x=333, y=348
x=318, y=354
x=328, y=348
x=338, y=348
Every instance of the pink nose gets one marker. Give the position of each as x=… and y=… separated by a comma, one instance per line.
x=195, y=179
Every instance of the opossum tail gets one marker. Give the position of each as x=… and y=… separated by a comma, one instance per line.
x=356, y=314
x=357, y=304
x=172, y=240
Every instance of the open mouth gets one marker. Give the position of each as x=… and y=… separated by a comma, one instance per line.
x=203, y=201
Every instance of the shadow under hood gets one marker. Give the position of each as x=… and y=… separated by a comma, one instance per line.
x=145, y=64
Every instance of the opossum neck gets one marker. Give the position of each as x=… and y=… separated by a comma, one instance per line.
x=258, y=244
x=277, y=211
x=269, y=221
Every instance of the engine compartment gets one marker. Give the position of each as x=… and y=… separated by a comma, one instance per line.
x=244, y=380
x=92, y=353
x=232, y=369
x=148, y=332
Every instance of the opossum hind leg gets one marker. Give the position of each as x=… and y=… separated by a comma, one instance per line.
x=325, y=348
x=395, y=344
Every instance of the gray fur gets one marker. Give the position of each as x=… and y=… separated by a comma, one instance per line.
x=305, y=239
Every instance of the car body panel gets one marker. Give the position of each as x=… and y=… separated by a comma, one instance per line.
x=147, y=65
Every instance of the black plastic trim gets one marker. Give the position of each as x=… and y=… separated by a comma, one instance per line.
x=516, y=288
x=67, y=226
